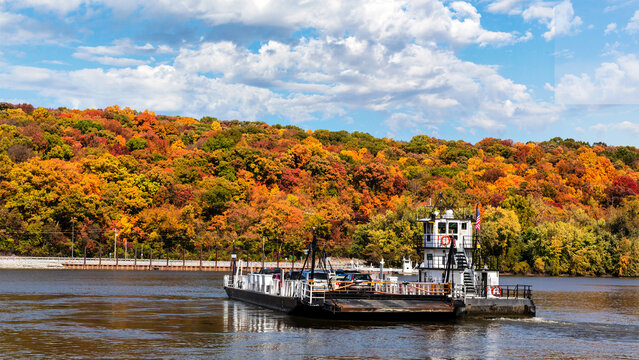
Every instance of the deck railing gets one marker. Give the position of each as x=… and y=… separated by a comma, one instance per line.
x=507, y=291
x=441, y=241
x=313, y=291
x=383, y=287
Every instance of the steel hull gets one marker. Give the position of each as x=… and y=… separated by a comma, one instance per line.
x=365, y=307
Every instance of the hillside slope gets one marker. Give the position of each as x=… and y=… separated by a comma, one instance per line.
x=559, y=206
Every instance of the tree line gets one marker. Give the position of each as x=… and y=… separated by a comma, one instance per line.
x=170, y=183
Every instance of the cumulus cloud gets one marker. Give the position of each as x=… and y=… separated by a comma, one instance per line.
x=314, y=78
x=612, y=83
x=112, y=55
x=352, y=73
x=624, y=127
x=19, y=29
x=415, y=123
x=388, y=22
x=612, y=27
x=160, y=87
x=125, y=46
x=511, y=7
x=380, y=56
x=633, y=24
x=559, y=18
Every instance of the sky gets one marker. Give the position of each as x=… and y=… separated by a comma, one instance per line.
x=525, y=70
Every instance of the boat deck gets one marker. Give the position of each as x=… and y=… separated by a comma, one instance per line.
x=388, y=306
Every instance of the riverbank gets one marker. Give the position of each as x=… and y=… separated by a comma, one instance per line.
x=14, y=262
x=61, y=263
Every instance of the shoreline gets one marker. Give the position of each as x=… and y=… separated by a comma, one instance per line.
x=61, y=263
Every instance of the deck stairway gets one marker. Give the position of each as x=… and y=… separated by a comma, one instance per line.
x=462, y=264
x=468, y=283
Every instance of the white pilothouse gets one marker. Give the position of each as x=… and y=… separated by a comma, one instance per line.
x=452, y=254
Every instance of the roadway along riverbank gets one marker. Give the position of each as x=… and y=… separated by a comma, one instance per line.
x=61, y=263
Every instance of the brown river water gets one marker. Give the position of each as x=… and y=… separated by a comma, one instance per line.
x=65, y=314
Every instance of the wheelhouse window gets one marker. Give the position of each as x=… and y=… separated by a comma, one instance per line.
x=441, y=228
x=452, y=228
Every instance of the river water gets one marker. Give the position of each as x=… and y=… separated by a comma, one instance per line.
x=66, y=314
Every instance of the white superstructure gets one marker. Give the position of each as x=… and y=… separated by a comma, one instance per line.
x=446, y=233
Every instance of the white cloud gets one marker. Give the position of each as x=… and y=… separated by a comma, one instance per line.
x=314, y=78
x=60, y=7
x=612, y=49
x=627, y=126
x=416, y=123
x=564, y=53
x=511, y=7
x=633, y=24
x=389, y=22
x=619, y=4
x=351, y=73
x=612, y=27
x=559, y=18
x=53, y=62
x=125, y=46
x=110, y=60
x=111, y=55
x=160, y=87
x=19, y=29
x=612, y=83
x=623, y=127
x=380, y=56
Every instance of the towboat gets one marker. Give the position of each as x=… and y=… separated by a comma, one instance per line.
x=453, y=280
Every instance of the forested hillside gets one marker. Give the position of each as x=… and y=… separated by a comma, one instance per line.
x=559, y=206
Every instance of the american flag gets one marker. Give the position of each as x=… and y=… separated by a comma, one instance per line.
x=478, y=221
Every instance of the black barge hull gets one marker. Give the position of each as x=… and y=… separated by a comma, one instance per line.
x=387, y=307
x=362, y=307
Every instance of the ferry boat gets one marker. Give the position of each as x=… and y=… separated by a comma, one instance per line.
x=452, y=282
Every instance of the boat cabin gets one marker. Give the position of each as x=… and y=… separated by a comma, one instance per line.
x=451, y=253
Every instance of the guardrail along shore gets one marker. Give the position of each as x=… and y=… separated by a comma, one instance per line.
x=19, y=262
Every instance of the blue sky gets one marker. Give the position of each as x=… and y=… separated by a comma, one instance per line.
x=518, y=69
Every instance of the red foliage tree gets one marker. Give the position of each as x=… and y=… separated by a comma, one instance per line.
x=622, y=187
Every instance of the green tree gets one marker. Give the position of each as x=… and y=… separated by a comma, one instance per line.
x=136, y=143
x=500, y=237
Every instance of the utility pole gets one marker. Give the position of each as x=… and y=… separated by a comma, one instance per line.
x=72, y=236
x=115, y=246
x=263, y=238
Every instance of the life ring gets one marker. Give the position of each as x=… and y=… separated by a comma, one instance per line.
x=496, y=290
x=445, y=240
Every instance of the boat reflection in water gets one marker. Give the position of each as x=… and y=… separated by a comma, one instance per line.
x=279, y=334
x=239, y=318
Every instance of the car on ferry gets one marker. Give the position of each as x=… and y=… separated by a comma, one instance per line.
x=359, y=282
